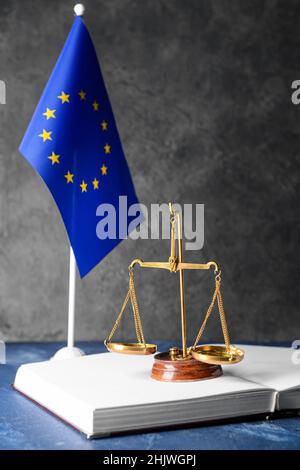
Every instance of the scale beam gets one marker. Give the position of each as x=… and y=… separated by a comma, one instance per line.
x=174, y=265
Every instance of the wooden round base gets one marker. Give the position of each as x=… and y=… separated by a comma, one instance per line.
x=167, y=369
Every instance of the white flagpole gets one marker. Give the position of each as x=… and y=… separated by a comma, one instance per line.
x=72, y=294
x=70, y=350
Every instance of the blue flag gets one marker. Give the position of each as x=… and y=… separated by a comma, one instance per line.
x=73, y=143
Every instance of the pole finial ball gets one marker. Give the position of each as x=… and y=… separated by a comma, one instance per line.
x=79, y=9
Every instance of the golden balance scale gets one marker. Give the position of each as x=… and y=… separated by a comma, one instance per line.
x=189, y=363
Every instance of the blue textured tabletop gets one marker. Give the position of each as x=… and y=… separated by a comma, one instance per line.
x=23, y=425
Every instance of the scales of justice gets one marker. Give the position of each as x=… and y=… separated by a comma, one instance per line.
x=188, y=363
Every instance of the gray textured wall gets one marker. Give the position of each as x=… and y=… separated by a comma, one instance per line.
x=201, y=94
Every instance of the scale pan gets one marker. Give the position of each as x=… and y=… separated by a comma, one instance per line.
x=219, y=355
x=139, y=349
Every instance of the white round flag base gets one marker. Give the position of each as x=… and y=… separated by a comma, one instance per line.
x=67, y=353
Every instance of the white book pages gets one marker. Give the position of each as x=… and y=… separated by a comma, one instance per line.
x=269, y=366
x=108, y=392
x=111, y=380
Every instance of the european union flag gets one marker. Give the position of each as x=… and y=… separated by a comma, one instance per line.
x=72, y=141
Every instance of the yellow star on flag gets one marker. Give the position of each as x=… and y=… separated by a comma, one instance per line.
x=46, y=135
x=104, y=125
x=64, y=97
x=54, y=158
x=82, y=95
x=69, y=177
x=83, y=186
x=107, y=148
x=96, y=106
x=95, y=183
x=104, y=170
x=49, y=113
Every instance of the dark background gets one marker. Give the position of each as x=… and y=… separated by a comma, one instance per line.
x=201, y=92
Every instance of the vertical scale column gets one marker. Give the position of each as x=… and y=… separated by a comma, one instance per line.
x=181, y=279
